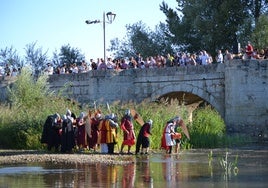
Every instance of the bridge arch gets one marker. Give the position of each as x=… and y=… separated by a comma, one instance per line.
x=189, y=88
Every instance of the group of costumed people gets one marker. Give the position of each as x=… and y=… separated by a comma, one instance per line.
x=92, y=131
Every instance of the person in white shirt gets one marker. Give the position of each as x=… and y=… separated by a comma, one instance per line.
x=49, y=70
x=63, y=69
x=219, y=57
x=75, y=68
x=204, y=58
x=110, y=64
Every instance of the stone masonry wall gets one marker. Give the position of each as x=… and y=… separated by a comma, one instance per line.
x=246, y=97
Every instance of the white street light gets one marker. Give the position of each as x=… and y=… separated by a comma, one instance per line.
x=110, y=17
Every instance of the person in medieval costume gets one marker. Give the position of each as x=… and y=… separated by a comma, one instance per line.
x=167, y=140
x=128, y=131
x=67, y=137
x=81, y=132
x=178, y=137
x=249, y=50
x=143, y=140
x=108, y=136
x=93, y=138
x=51, y=132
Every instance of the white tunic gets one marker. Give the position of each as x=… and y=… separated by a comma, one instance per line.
x=168, y=130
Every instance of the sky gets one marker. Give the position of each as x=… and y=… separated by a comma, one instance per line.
x=54, y=23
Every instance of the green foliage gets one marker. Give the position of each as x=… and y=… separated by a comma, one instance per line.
x=236, y=140
x=10, y=56
x=21, y=131
x=21, y=125
x=256, y=7
x=35, y=57
x=207, y=129
x=193, y=26
x=160, y=114
x=260, y=33
x=27, y=93
x=70, y=55
x=141, y=39
x=197, y=25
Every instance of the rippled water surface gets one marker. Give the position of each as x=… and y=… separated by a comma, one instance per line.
x=190, y=168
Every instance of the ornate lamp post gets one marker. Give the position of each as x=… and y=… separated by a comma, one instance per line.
x=110, y=18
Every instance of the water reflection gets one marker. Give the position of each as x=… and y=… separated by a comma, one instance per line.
x=145, y=178
x=188, y=169
x=128, y=175
x=65, y=179
x=171, y=170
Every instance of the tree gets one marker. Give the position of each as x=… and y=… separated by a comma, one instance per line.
x=198, y=25
x=28, y=92
x=161, y=43
x=256, y=7
x=56, y=59
x=120, y=48
x=10, y=56
x=193, y=26
x=141, y=39
x=173, y=24
x=35, y=58
x=260, y=33
x=69, y=55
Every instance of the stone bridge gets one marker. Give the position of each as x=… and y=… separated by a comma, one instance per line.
x=237, y=89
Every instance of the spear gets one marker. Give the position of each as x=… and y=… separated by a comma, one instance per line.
x=95, y=107
x=108, y=107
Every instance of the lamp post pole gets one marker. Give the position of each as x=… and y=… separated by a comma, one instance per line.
x=110, y=17
x=104, y=42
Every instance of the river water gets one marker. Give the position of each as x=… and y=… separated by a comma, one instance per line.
x=190, y=168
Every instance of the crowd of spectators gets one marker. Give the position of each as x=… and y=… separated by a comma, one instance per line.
x=139, y=62
x=159, y=61
x=8, y=70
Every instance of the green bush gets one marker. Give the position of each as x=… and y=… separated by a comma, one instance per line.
x=160, y=113
x=21, y=125
x=207, y=129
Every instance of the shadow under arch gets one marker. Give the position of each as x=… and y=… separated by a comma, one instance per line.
x=190, y=94
x=191, y=101
x=185, y=98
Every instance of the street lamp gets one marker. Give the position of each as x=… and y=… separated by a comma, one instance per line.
x=110, y=17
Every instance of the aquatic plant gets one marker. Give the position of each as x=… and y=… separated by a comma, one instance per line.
x=229, y=166
x=210, y=158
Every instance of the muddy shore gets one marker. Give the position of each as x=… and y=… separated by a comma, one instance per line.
x=33, y=156
x=38, y=156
